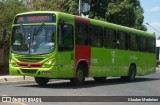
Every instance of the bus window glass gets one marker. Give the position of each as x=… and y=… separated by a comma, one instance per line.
x=151, y=45
x=109, y=38
x=142, y=44
x=66, y=41
x=133, y=42
x=97, y=36
x=121, y=38
x=39, y=39
x=81, y=34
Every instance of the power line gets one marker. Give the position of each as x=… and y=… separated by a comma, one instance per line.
x=153, y=27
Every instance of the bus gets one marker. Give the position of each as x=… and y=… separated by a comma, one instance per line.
x=55, y=45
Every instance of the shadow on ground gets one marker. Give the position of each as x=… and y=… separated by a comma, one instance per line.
x=89, y=83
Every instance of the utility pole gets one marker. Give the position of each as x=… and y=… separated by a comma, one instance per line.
x=80, y=7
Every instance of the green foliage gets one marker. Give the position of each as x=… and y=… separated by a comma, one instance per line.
x=70, y=6
x=123, y=12
x=8, y=9
x=45, y=5
x=98, y=9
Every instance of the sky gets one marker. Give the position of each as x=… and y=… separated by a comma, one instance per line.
x=151, y=15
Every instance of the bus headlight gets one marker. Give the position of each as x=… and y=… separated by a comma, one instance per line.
x=13, y=63
x=49, y=63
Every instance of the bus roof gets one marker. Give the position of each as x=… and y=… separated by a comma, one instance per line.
x=95, y=22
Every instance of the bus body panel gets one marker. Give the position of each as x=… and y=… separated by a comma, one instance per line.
x=101, y=61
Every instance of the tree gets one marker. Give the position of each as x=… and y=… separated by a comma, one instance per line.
x=8, y=10
x=123, y=12
x=98, y=9
x=45, y=5
x=70, y=6
x=139, y=15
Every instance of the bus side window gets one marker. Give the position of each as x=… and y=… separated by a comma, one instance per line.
x=151, y=45
x=121, y=40
x=142, y=44
x=97, y=36
x=66, y=38
x=133, y=42
x=109, y=38
x=82, y=34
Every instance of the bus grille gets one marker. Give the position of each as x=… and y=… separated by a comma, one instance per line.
x=30, y=59
x=27, y=71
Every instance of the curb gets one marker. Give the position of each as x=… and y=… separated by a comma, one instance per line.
x=16, y=79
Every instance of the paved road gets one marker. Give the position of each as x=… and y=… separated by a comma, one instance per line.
x=143, y=86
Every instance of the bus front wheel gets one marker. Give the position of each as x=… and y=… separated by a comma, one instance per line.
x=80, y=76
x=41, y=81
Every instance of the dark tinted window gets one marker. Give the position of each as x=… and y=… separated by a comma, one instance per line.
x=82, y=34
x=133, y=42
x=122, y=40
x=142, y=44
x=66, y=38
x=109, y=38
x=151, y=45
x=96, y=36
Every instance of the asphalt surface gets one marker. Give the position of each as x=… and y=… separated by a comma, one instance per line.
x=148, y=85
x=8, y=79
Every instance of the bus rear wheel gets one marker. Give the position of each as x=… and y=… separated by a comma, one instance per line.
x=41, y=81
x=80, y=76
x=132, y=73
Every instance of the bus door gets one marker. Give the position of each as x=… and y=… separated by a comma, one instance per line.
x=65, y=50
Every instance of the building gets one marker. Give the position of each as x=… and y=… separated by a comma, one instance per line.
x=158, y=49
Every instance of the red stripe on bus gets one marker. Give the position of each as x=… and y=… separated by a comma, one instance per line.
x=83, y=53
x=29, y=65
x=82, y=20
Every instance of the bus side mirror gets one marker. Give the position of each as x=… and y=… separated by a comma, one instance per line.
x=4, y=34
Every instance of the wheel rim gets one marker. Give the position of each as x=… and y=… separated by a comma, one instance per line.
x=80, y=75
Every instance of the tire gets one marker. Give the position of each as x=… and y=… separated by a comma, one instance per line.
x=41, y=81
x=132, y=73
x=99, y=79
x=80, y=76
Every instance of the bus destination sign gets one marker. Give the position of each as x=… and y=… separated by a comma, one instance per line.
x=35, y=18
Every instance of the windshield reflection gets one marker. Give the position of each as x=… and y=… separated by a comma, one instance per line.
x=39, y=39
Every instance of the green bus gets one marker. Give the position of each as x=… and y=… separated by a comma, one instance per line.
x=50, y=45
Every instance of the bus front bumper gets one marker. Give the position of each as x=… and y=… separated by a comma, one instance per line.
x=36, y=72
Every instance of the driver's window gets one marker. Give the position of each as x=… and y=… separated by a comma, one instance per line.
x=66, y=38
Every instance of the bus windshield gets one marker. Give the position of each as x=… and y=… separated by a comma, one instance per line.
x=33, y=39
